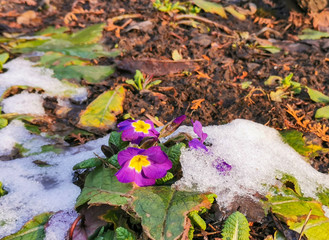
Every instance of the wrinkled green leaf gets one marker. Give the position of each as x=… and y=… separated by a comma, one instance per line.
x=293, y=209
x=173, y=153
x=317, y=96
x=323, y=195
x=165, y=179
x=52, y=31
x=114, y=161
x=33, y=229
x=92, y=74
x=101, y=113
x=115, y=138
x=312, y=34
x=197, y=220
x=236, y=227
x=88, y=35
x=102, y=187
x=211, y=7
x=322, y=112
x=163, y=210
x=296, y=141
x=89, y=163
x=123, y=234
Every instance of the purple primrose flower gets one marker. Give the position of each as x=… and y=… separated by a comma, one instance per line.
x=198, y=143
x=222, y=167
x=171, y=126
x=142, y=166
x=136, y=130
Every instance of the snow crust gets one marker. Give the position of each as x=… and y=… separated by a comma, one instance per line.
x=257, y=155
x=22, y=72
x=24, y=103
x=34, y=190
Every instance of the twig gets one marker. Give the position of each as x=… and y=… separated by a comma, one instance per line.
x=226, y=29
x=303, y=228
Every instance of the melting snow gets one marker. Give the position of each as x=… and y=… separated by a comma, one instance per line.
x=21, y=72
x=257, y=156
x=24, y=103
x=34, y=190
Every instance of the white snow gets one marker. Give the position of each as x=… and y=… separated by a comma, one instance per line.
x=22, y=72
x=34, y=190
x=257, y=155
x=24, y=103
x=59, y=224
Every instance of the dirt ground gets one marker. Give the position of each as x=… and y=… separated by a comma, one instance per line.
x=220, y=57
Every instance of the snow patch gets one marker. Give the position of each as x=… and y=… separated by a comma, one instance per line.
x=24, y=103
x=22, y=72
x=34, y=190
x=257, y=155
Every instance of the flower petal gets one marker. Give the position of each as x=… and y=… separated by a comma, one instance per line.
x=196, y=143
x=197, y=128
x=127, y=154
x=126, y=175
x=155, y=171
x=142, y=181
x=125, y=124
x=155, y=154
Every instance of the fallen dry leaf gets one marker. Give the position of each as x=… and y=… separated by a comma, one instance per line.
x=321, y=21
x=202, y=75
x=29, y=18
x=197, y=103
x=157, y=67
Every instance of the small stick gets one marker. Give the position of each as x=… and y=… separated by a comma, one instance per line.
x=303, y=228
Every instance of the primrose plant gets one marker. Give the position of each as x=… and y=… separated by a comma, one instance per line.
x=140, y=82
x=140, y=166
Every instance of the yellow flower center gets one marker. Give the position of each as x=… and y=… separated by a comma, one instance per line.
x=138, y=162
x=141, y=126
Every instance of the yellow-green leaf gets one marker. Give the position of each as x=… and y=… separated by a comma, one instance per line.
x=317, y=96
x=101, y=113
x=235, y=13
x=211, y=7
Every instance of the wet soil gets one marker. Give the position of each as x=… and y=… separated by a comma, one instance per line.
x=221, y=57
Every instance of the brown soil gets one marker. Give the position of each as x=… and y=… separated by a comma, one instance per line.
x=224, y=58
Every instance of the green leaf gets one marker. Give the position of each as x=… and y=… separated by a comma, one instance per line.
x=132, y=82
x=176, y=56
x=312, y=34
x=163, y=210
x=322, y=112
x=3, y=122
x=2, y=191
x=88, y=35
x=197, y=220
x=3, y=59
x=89, y=163
x=92, y=74
x=323, y=196
x=272, y=80
x=246, y=84
x=271, y=49
x=115, y=138
x=236, y=227
x=293, y=209
x=153, y=83
x=173, y=153
x=114, y=161
x=102, y=187
x=101, y=113
x=235, y=13
x=52, y=31
x=165, y=179
x=123, y=234
x=317, y=96
x=33, y=229
x=296, y=141
x=211, y=7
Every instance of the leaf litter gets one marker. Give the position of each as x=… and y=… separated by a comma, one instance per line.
x=224, y=99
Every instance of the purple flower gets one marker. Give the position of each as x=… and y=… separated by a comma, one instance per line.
x=222, y=167
x=142, y=166
x=135, y=130
x=198, y=143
